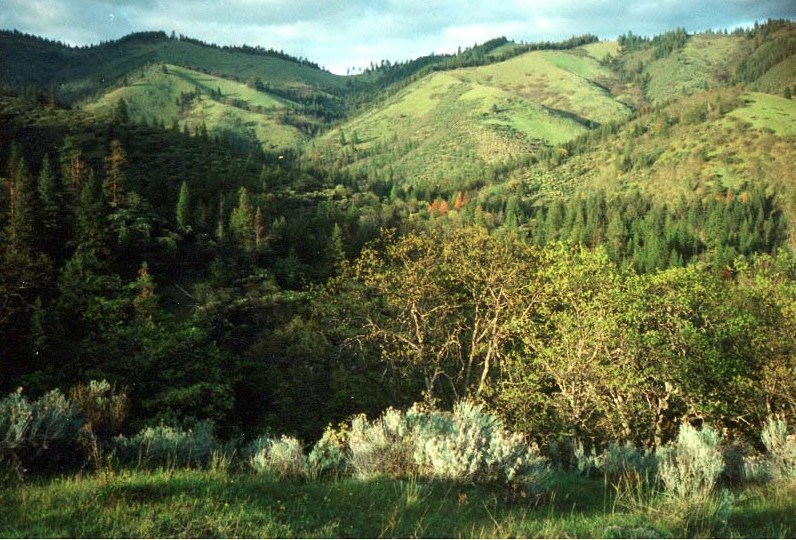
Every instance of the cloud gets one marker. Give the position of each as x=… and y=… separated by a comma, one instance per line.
x=341, y=34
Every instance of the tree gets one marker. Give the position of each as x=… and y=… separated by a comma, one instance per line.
x=184, y=207
x=115, y=180
x=443, y=312
x=241, y=222
x=22, y=223
x=51, y=198
x=121, y=114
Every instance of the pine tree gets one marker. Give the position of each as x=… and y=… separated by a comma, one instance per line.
x=73, y=166
x=146, y=301
x=121, y=114
x=241, y=222
x=22, y=220
x=115, y=163
x=184, y=207
x=92, y=217
x=259, y=229
x=51, y=197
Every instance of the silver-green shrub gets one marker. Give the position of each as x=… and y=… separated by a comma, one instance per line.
x=329, y=456
x=383, y=446
x=466, y=444
x=781, y=448
x=283, y=457
x=618, y=460
x=29, y=428
x=689, y=468
x=166, y=446
x=471, y=444
x=586, y=462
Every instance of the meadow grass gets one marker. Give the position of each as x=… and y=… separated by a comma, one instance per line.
x=765, y=111
x=192, y=503
x=154, y=92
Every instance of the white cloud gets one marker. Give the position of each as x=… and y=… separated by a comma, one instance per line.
x=340, y=33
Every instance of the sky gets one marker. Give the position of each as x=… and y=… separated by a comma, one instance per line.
x=340, y=35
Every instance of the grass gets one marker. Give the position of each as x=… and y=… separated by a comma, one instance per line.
x=489, y=115
x=154, y=92
x=765, y=111
x=693, y=68
x=191, y=503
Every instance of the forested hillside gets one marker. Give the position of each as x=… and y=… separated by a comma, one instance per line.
x=591, y=240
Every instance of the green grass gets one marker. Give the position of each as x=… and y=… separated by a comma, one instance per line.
x=765, y=111
x=154, y=92
x=186, y=503
x=694, y=68
x=449, y=127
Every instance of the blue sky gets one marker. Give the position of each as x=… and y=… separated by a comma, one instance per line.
x=342, y=34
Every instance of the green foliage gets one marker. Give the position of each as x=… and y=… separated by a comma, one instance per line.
x=184, y=207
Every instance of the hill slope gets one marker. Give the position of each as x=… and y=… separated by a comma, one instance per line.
x=190, y=99
x=446, y=129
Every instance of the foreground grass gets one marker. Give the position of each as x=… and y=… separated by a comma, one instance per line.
x=186, y=503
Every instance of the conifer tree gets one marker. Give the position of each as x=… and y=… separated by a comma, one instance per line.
x=22, y=219
x=241, y=222
x=73, y=166
x=51, y=197
x=92, y=217
x=115, y=180
x=184, y=207
x=259, y=229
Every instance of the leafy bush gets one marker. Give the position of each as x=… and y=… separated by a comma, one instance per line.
x=33, y=432
x=283, y=457
x=781, y=448
x=165, y=446
x=329, y=455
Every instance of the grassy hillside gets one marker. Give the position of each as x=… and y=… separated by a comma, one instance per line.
x=707, y=142
x=81, y=72
x=230, y=109
x=448, y=128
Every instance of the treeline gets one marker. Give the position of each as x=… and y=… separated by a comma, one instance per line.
x=127, y=250
x=652, y=236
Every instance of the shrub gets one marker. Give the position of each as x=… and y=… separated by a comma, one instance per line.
x=617, y=461
x=166, y=446
x=383, y=446
x=586, y=462
x=471, y=444
x=467, y=444
x=781, y=448
x=103, y=408
x=283, y=457
x=329, y=455
x=35, y=432
x=689, y=469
